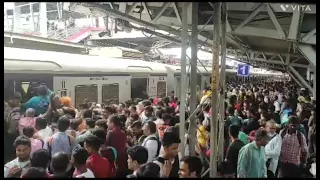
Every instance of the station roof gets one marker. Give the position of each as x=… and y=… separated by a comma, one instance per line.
x=262, y=34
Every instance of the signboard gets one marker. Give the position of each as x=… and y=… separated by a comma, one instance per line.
x=243, y=70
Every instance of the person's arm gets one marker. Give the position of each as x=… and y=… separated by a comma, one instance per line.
x=152, y=147
x=13, y=122
x=275, y=152
x=29, y=104
x=243, y=160
x=310, y=122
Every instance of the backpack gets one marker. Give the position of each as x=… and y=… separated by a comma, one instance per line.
x=159, y=144
x=299, y=136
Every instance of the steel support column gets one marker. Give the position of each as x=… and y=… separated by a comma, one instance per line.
x=43, y=19
x=183, y=63
x=193, y=78
x=295, y=79
x=214, y=96
x=314, y=92
x=309, y=53
x=301, y=79
x=222, y=81
x=33, y=25
x=16, y=18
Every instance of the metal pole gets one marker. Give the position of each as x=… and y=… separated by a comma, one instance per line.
x=32, y=17
x=314, y=92
x=193, y=78
x=215, y=83
x=183, y=87
x=222, y=77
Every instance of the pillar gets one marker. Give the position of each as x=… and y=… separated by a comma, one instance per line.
x=43, y=19
x=16, y=18
x=314, y=85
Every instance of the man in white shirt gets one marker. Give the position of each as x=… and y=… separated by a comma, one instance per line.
x=44, y=131
x=273, y=148
x=15, y=167
x=151, y=142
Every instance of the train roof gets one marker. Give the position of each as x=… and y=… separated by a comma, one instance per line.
x=17, y=59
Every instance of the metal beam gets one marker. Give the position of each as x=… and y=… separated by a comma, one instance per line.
x=214, y=96
x=183, y=89
x=309, y=53
x=193, y=78
x=301, y=79
x=275, y=22
x=274, y=62
x=309, y=35
x=294, y=78
x=131, y=8
x=294, y=26
x=163, y=8
x=251, y=16
x=314, y=85
x=176, y=11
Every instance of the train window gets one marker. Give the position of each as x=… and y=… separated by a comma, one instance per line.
x=82, y=92
x=161, y=89
x=110, y=93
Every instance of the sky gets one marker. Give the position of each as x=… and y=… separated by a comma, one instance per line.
x=9, y=5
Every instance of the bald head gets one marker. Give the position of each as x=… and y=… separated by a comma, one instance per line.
x=30, y=112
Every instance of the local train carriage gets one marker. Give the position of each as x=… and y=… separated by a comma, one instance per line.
x=96, y=78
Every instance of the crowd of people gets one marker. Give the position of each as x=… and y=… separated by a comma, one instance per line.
x=270, y=131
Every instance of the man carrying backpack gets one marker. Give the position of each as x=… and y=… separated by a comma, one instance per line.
x=151, y=142
x=293, y=151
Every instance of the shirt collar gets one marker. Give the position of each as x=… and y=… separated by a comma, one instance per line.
x=255, y=145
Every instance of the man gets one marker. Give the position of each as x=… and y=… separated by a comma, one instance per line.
x=43, y=130
x=151, y=142
x=251, y=163
x=137, y=132
x=137, y=156
x=148, y=115
x=190, y=167
x=169, y=160
x=15, y=167
x=39, y=103
x=99, y=165
x=117, y=138
x=11, y=120
x=60, y=164
x=234, y=148
x=90, y=122
x=273, y=148
x=79, y=158
x=40, y=159
x=294, y=149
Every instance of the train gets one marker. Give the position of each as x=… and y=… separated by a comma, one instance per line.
x=95, y=78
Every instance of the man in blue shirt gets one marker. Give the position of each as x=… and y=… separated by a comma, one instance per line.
x=39, y=103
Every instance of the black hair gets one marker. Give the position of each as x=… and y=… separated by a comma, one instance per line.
x=194, y=164
x=40, y=158
x=149, y=170
x=80, y=155
x=138, y=153
x=101, y=123
x=87, y=113
x=234, y=130
x=293, y=120
x=60, y=162
x=134, y=116
x=74, y=124
x=69, y=111
x=149, y=109
x=115, y=120
x=260, y=134
x=146, y=103
x=166, y=100
x=28, y=131
x=137, y=124
x=231, y=110
x=168, y=110
x=100, y=133
x=109, y=109
x=170, y=138
x=93, y=141
x=90, y=122
x=63, y=123
x=206, y=107
x=166, y=117
x=152, y=127
x=34, y=172
x=133, y=107
x=22, y=140
x=41, y=122
x=159, y=113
